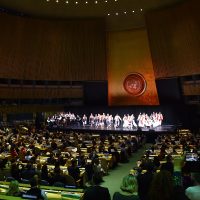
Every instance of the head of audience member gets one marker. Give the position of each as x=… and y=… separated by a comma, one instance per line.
x=13, y=189
x=148, y=153
x=44, y=168
x=34, y=182
x=39, y=166
x=150, y=167
x=156, y=161
x=29, y=166
x=161, y=186
x=144, y=163
x=96, y=161
x=57, y=170
x=169, y=158
x=74, y=163
x=96, y=178
x=129, y=184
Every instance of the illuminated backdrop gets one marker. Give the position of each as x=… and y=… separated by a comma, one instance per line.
x=131, y=79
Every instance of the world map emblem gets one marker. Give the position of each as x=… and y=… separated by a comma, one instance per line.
x=135, y=84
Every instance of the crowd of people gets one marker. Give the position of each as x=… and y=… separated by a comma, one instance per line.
x=156, y=180
x=148, y=186
x=22, y=150
x=128, y=121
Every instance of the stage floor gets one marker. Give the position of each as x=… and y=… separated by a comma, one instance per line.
x=160, y=129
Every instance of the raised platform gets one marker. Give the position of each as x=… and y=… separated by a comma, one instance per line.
x=79, y=128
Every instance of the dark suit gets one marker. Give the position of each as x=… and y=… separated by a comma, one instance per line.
x=168, y=166
x=96, y=193
x=35, y=192
x=144, y=182
x=74, y=172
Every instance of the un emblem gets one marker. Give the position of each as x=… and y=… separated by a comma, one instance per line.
x=135, y=84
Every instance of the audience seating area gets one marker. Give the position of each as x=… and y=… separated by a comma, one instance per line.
x=177, y=153
x=64, y=162
x=51, y=192
x=60, y=159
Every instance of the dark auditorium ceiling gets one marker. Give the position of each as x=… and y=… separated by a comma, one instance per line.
x=119, y=14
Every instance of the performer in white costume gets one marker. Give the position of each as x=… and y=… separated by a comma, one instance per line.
x=117, y=121
x=84, y=120
x=106, y=121
x=91, y=120
x=125, y=121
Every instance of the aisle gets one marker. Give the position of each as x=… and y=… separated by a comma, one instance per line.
x=113, y=180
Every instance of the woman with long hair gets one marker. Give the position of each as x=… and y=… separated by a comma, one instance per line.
x=161, y=186
x=128, y=189
x=13, y=189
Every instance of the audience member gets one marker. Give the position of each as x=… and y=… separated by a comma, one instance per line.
x=97, y=167
x=169, y=166
x=161, y=187
x=96, y=192
x=58, y=177
x=144, y=182
x=73, y=170
x=128, y=189
x=186, y=177
x=44, y=172
x=28, y=172
x=13, y=189
x=14, y=170
x=156, y=162
x=35, y=190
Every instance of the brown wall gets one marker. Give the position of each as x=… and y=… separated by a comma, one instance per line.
x=36, y=49
x=17, y=92
x=174, y=37
x=29, y=109
x=191, y=88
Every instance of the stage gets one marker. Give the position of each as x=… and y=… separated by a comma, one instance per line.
x=106, y=130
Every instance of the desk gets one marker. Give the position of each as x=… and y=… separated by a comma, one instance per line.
x=134, y=172
x=51, y=192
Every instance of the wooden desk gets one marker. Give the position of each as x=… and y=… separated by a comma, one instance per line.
x=51, y=192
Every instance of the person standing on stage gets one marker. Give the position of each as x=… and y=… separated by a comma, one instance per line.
x=117, y=121
x=160, y=118
x=125, y=121
x=91, y=120
x=110, y=121
x=84, y=120
x=107, y=120
x=96, y=119
x=133, y=121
